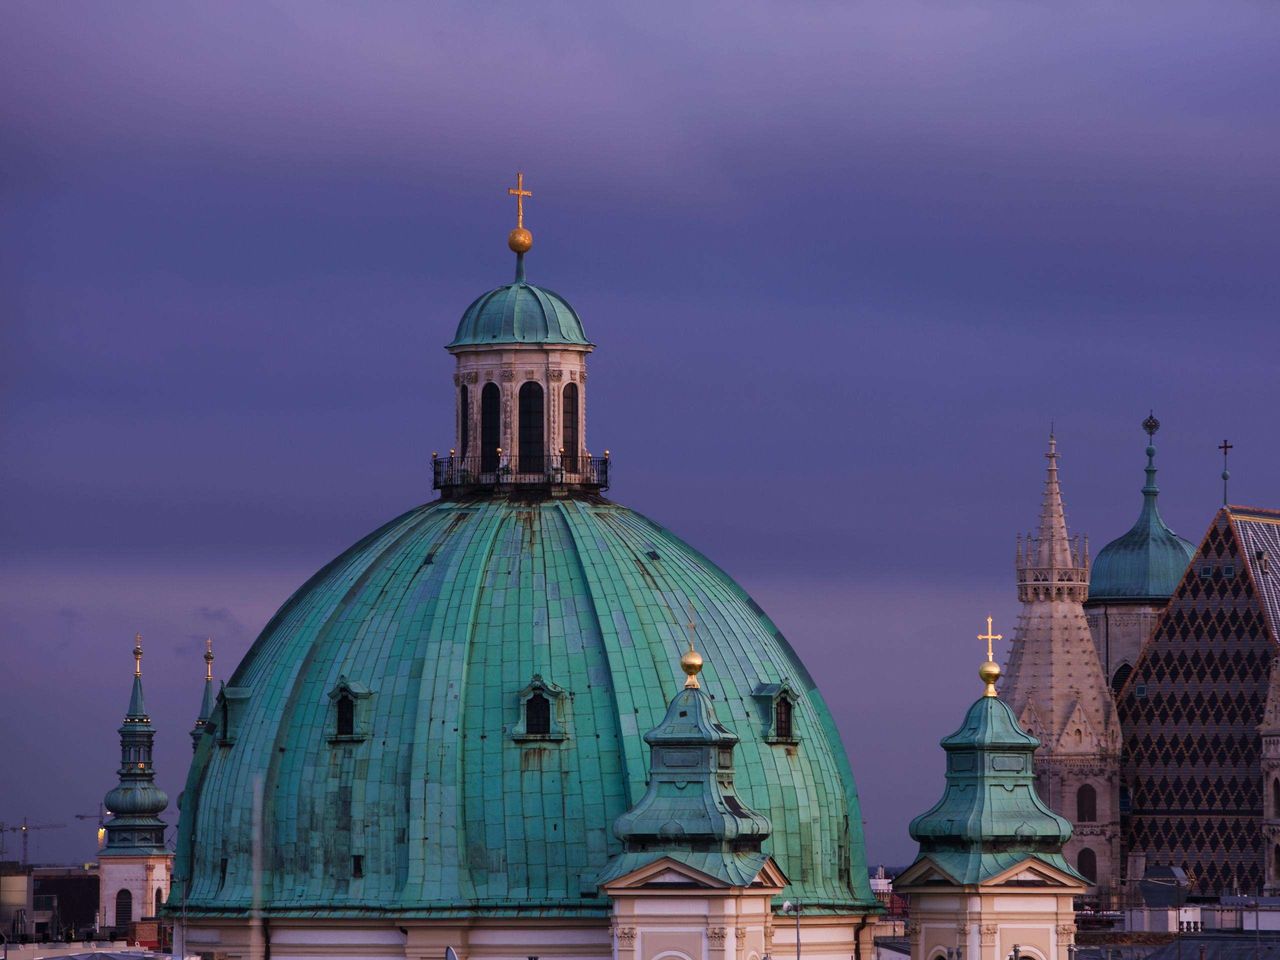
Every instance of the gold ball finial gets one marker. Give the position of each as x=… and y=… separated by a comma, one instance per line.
x=989, y=673
x=691, y=664
x=520, y=240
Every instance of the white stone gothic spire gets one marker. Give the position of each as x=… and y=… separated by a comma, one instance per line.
x=1057, y=689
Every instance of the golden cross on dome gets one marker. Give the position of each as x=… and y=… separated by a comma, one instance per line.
x=519, y=192
x=989, y=636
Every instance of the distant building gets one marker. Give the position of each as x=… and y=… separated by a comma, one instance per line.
x=1203, y=793
x=134, y=866
x=1057, y=688
x=1132, y=579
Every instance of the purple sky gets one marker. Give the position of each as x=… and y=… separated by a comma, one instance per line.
x=844, y=262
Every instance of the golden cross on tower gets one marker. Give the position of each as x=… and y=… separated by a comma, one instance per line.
x=137, y=655
x=989, y=636
x=519, y=192
x=208, y=658
x=989, y=672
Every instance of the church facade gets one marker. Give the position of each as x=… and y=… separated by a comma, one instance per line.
x=460, y=732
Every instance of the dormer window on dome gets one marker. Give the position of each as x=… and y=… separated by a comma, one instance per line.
x=778, y=704
x=520, y=382
x=349, y=718
x=542, y=706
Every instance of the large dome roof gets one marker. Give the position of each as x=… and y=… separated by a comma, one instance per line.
x=436, y=626
x=519, y=313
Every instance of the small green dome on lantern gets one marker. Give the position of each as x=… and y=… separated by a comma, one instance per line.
x=519, y=313
x=1149, y=560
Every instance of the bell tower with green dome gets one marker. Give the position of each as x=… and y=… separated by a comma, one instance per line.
x=1133, y=578
x=991, y=879
x=431, y=742
x=134, y=865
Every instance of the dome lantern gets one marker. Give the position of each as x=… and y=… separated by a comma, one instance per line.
x=520, y=389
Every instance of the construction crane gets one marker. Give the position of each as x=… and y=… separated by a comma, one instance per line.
x=25, y=829
x=101, y=817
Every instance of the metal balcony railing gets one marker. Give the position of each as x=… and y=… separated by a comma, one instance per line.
x=454, y=474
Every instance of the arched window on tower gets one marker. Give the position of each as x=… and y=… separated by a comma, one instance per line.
x=782, y=726
x=1275, y=798
x=1087, y=865
x=1275, y=862
x=537, y=716
x=569, y=434
x=1119, y=678
x=159, y=902
x=490, y=427
x=124, y=908
x=464, y=420
x=1086, y=804
x=346, y=707
x=531, y=448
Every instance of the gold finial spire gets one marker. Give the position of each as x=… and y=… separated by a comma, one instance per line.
x=520, y=239
x=208, y=659
x=691, y=662
x=137, y=655
x=989, y=672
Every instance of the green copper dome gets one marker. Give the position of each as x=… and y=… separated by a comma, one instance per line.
x=1148, y=561
x=436, y=634
x=990, y=816
x=519, y=313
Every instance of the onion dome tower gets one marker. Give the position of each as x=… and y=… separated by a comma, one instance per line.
x=690, y=840
x=990, y=835
x=1133, y=578
x=1058, y=690
x=446, y=721
x=133, y=866
x=206, y=700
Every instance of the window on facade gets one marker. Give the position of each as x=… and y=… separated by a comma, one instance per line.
x=1087, y=865
x=782, y=725
x=1086, y=804
x=490, y=426
x=1276, y=861
x=159, y=902
x=124, y=908
x=1119, y=678
x=1275, y=798
x=569, y=434
x=346, y=716
x=537, y=716
x=464, y=420
x=531, y=447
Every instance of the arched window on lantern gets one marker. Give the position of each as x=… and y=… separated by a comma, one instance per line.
x=490, y=427
x=569, y=433
x=464, y=420
x=531, y=448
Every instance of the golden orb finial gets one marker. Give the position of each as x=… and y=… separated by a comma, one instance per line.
x=989, y=672
x=519, y=239
x=691, y=662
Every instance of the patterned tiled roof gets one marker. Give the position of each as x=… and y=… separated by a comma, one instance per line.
x=1192, y=707
x=438, y=623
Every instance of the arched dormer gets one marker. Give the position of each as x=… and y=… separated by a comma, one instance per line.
x=778, y=706
x=348, y=721
x=543, y=711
